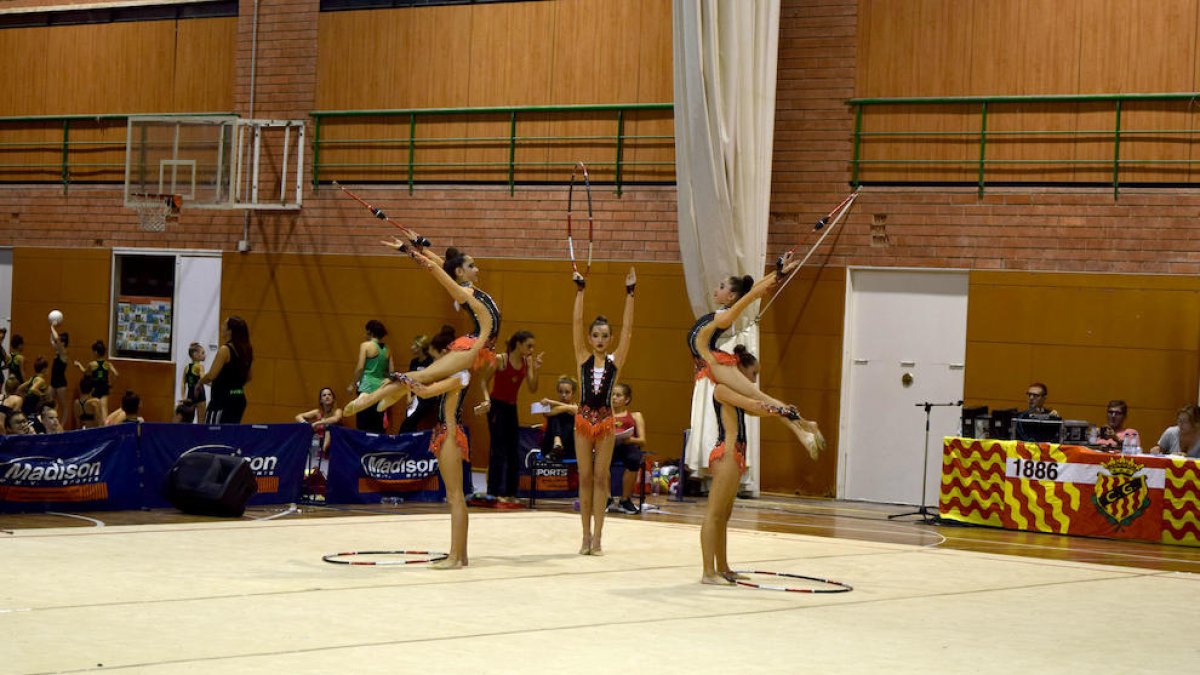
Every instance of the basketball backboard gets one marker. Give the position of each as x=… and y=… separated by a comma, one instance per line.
x=216, y=161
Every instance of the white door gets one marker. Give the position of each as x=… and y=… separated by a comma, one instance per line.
x=900, y=322
x=197, y=310
x=6, y=293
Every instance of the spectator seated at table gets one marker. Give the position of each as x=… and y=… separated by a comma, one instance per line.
x=1184, y=437
x=1112, y=435
x=1036, y=395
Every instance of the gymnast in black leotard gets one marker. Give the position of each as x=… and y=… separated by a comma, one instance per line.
x=594, y=421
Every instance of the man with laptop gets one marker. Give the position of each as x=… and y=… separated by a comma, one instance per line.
x=1037, y=423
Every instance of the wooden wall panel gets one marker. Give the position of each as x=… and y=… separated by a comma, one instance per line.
x=306, y=315
x=801, y=353
x=508, y=68
x=578, y=52
x=1162, y=46
x=1090, y=338
x=77, y=282
x=204, y=65
x=137, y=67
x=1032, y=47
x=653, y=160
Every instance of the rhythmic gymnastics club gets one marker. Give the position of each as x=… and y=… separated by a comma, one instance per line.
x=378, y=213
x=837, y=214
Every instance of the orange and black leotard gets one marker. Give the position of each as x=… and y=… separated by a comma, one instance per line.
x=455, y=420
x=488, y=353
x=739, y=445
x=702, y=366
x=595, y=419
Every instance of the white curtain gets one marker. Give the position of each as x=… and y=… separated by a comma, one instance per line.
x=725, y=62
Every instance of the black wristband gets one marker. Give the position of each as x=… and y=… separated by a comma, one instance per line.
x=580, y=283
x=629, y=288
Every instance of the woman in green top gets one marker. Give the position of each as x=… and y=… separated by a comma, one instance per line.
x=374, y=364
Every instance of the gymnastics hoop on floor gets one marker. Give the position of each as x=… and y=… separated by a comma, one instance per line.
x=433, y=556
x=840, y=587
x=580, y=167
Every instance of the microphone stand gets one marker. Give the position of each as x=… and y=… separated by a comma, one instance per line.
x=929, y=515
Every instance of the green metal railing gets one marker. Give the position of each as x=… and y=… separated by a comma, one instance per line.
x=989, y=103
x=64, y=148
x=407, y=123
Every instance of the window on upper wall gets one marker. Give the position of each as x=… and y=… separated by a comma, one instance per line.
x=143, y=306
x=344, y=5
x=84, y=15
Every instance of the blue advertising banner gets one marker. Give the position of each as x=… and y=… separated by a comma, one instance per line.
x=366, y=468
x=555, y=480
x=92, y=469
x=277, y=454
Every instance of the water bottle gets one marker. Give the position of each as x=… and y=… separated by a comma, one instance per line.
x=1135, y=442
x=1127, y=444
x=655, y=473
x=314, y=451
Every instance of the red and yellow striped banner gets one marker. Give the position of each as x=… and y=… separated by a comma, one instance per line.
x=1065, y=489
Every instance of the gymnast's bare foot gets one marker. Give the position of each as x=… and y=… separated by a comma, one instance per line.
x=356, y=405
x=715, y=580
x=733, y=577
x=596, y=549
x=586, y=547
x=449, y=564
x=817, y=440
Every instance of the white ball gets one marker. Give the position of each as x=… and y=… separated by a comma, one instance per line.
x=55, y=317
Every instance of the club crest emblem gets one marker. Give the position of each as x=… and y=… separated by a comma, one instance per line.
x=1121, y=492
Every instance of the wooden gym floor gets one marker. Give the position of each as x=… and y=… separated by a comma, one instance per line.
x=160, y=592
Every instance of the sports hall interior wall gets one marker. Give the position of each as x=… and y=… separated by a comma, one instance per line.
x=306, y=313
x=829, y=52
x=1073, y=286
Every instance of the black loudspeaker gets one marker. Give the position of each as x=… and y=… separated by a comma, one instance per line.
x=208, y=484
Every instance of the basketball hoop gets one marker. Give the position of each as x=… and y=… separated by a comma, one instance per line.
x=154, y=210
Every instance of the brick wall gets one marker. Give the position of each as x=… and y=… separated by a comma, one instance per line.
x=487, y=221
x=285, y=68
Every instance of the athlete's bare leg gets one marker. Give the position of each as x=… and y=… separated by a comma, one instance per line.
x=450, y=466
x=733, y=378
x=721, y=493
x=393, y=390
x=601, y=489
x=806, y=431
x=586, y=459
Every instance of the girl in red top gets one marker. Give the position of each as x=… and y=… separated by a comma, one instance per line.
x=594, y=421
x=325, y=415
x=516, y=365
x=630, y=428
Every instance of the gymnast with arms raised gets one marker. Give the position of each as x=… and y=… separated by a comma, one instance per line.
x=457, y=273
x=734, y=295
x=594, y=420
